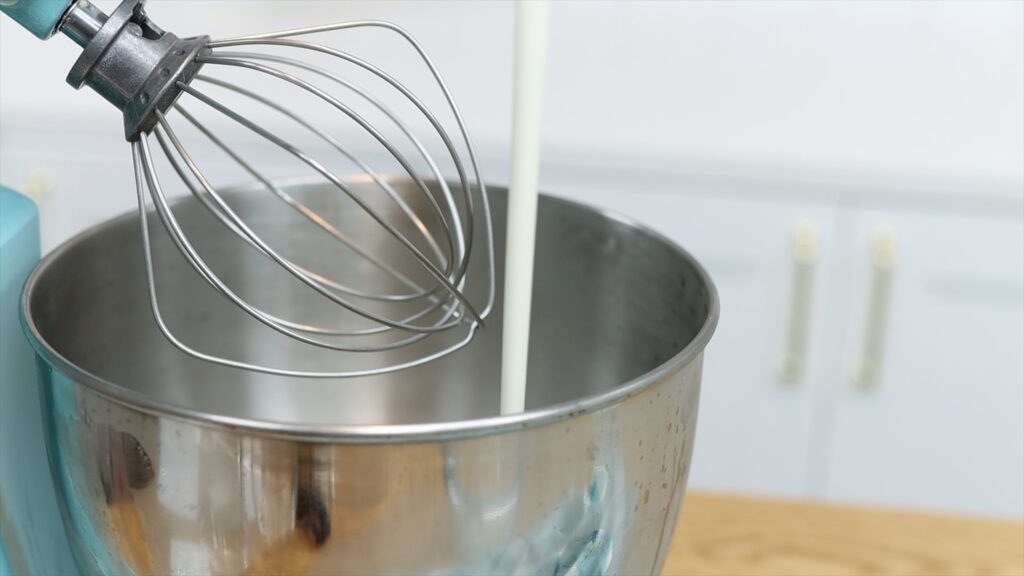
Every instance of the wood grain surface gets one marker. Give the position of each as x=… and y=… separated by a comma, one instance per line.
x=721, y=535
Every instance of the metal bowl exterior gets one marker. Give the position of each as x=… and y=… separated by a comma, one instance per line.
x=597, y=493
x=591, y=485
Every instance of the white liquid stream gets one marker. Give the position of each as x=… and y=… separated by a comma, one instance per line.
x=530, y=59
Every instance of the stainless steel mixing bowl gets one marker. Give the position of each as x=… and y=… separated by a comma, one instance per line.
x=168, y=465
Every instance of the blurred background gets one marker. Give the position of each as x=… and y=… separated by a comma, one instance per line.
x=851, y=174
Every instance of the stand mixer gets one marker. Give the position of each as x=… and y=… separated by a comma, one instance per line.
x=310, y=408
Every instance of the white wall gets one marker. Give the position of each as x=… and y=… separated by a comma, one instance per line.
x=924, y=94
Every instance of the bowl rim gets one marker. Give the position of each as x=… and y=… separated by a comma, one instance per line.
x=362, y=433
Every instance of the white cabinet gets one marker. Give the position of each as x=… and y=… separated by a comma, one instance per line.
x=928, y=302
x=942, y=426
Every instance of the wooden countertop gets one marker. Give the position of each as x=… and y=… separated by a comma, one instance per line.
x=721, y=535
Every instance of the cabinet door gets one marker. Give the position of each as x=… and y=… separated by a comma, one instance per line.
x=930, y=409
x=754, y=426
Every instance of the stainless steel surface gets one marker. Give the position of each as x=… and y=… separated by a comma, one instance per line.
x=403, y=299
x=170, y=465
x=82, y=22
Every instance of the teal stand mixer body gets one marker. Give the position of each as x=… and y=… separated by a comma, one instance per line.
x=32, y=537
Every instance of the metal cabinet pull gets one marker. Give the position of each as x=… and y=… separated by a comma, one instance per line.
x=805, y=258
x=884, y=255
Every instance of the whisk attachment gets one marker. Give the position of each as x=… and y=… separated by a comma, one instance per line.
x=410, y=288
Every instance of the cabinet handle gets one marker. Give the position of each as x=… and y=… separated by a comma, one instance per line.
x=884, y=256
x=805, y=258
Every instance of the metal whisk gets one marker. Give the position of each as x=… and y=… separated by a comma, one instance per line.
x=156, y=79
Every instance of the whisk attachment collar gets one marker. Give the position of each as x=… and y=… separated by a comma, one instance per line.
x=131, y=62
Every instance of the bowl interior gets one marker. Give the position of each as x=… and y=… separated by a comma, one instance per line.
x=612, y=301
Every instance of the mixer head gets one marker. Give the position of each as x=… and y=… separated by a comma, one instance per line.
x=293, y=95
